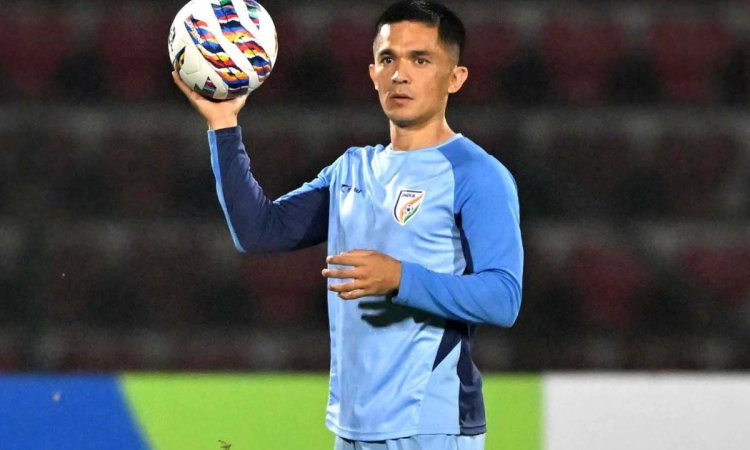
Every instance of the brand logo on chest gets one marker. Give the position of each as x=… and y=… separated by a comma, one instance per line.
x=346, y=188
x=407, y=205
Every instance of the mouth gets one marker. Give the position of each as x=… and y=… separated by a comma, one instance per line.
x=399, y=99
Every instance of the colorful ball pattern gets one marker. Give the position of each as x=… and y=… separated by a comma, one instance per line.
x=223, y=48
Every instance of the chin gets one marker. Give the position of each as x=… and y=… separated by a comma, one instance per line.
x=402, y=121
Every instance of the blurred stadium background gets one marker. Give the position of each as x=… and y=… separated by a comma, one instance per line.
x=625, y=124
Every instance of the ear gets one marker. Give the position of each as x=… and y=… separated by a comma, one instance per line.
x=372, y=76
x=458, y=77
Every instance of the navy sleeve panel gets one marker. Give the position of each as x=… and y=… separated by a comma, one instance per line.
x=487, y=212
x=296, y=220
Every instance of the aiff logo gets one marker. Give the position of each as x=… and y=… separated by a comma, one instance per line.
x=407, y=205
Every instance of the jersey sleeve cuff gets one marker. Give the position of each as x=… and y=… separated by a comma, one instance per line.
x=408, y=280
x=223, y=133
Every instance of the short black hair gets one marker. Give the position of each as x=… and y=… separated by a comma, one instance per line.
x=451, y=30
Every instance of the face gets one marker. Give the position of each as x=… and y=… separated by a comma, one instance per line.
x=414, y=73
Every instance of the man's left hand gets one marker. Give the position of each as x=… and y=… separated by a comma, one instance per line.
x=371, y=273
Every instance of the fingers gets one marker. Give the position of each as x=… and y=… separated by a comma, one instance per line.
x=351, y=258
x=346, y=291
x=353, y=295
x=241, y=100
x=339, y=273
x=346, y=287
x=349, y=291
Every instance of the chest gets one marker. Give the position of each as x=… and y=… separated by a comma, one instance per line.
x=401, y=206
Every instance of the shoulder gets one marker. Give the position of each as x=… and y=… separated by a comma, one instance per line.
x=362, y=152
x=351, y=157
x=473, y=166
x=355, y=157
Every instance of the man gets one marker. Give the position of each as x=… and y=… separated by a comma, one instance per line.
x=423, y=237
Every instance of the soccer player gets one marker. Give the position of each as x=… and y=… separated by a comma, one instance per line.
x=423, y=239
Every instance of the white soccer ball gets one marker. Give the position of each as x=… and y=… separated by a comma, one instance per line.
x=223, y=48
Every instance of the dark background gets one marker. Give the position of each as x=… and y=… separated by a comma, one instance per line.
x=624, y=123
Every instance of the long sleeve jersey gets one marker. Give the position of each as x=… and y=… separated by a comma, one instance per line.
x=400, y=364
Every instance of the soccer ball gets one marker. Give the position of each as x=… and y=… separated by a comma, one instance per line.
x=223, y=48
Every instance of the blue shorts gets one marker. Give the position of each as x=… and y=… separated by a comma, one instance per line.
x=418, y=442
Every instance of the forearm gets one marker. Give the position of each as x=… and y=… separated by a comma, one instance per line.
x=255, y=222
x=490, y=297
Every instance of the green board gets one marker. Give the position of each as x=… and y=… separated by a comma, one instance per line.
x=514, y=412
x=287, y=411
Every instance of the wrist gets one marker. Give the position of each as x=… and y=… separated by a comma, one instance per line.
x=396, y=284
x=224, y=122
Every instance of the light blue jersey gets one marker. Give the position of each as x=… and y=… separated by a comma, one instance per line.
x=401, y=365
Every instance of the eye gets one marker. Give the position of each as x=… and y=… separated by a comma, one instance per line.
x=386, y=60
x=422, y=61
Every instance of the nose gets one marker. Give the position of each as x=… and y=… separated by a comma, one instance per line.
x=399, y=76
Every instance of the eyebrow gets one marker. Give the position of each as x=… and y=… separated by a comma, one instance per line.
x=412, y=53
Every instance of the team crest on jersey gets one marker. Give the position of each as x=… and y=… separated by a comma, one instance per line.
x=407, y=205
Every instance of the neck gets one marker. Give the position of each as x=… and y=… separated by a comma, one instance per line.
x=420, y=136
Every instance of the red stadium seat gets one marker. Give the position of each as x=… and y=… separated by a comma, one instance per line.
x=581, y=56
x=686, y=55
x=724, y=272
x=610, y=282
x=133, y=64
x=491, y=47
x=35, y=44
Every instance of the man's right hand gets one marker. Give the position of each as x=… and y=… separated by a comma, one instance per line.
x=218, y=115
